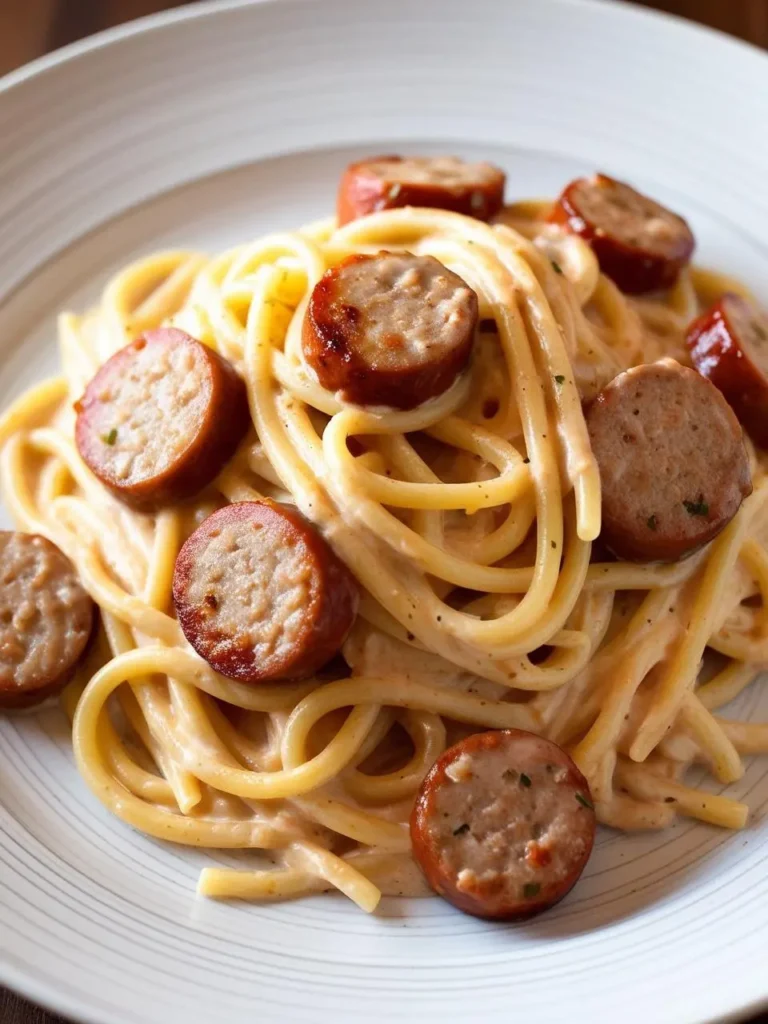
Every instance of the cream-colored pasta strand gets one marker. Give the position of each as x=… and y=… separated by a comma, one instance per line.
x=479, y=575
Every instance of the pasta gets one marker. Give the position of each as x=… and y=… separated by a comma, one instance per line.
x=470, y=524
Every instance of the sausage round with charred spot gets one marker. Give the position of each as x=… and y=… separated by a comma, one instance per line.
x=443, y=182
x=640, y=244
x=46, y=619
x=729, y=346
x=673, y=466
x=389, y=330
x=261, y=595
x=161, y=418
x=503, y=825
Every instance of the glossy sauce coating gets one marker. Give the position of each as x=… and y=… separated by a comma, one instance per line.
x=729, y=345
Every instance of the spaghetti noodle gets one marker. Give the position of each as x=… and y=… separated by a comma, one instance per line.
x=470, y=618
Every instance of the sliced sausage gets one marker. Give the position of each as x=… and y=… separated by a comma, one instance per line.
x=444, y=182
x=673, y=466
x=503, y=825
x=46, y=619
x=639, y=244
x=729, y=345
x=260, y=594
x=161, y=418
x=392, y=329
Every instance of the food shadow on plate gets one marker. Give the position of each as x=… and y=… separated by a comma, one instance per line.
x=626, y=878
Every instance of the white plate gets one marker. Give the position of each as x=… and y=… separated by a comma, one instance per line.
x=222, y=121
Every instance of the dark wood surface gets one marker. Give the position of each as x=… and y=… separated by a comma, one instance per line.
x=29, y=28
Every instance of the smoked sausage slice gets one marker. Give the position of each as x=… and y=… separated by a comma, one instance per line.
x=46, y=619
x=161, y=418
x=640, y=244
x=729, y=346
x=389, y=330
x=673, y=466
x=444, y=182
x=260, y=594
x=503, y=825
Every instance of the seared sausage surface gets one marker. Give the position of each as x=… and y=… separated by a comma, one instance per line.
x=639, y=244
x=46, y=619
x=729, y=346
x=161, y=418
x=445, y=182
x=389, y=330
x=503, y=825
x=673, y=466
x=260, y=594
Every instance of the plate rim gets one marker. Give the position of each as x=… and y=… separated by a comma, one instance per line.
x=14, y=978
x=200, y=9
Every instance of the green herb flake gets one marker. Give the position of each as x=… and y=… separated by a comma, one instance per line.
x=556, y=267
x=461, y=829
x=651, y=522
x=559, y=378
x=395, y=190
x=524, y=780
x=584, y=802
x=697, y=508
x=531, y=889
x=111, y=437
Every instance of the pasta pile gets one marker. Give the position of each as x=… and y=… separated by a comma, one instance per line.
x=470, y=523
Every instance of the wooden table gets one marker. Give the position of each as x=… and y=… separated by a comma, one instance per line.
x=29, y=28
